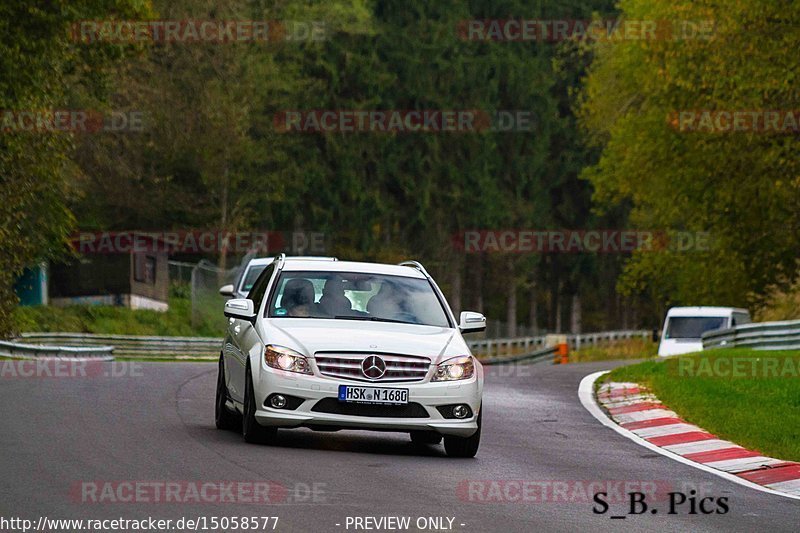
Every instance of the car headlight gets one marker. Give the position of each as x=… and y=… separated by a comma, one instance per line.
x=286, y=359
x=461, y=367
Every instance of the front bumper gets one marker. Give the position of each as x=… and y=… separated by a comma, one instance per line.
x=312, y=389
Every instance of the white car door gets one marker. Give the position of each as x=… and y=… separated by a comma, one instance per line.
x=243, y=337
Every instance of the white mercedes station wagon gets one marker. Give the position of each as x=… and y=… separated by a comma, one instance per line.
x=330, y=345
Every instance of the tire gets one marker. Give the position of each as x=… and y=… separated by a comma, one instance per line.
x=223, y=417
x=464, y=446
x=425, y=437
x=252, y=431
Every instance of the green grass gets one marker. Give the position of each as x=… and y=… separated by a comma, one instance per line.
x=177, y=321
x=760, y=412
x=626, y=349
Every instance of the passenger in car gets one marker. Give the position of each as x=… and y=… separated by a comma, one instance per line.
x=333, y=301
x=298, y=298
x=386, y=303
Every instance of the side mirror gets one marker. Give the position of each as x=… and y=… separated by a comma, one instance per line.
x=226, y=290
x=472, y=322
x=241, y=308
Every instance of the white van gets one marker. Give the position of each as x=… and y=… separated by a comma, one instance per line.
x=684, y=326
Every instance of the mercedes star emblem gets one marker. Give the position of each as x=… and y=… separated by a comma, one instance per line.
x=373, y=367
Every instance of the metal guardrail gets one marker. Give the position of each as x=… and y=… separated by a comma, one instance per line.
x=497, y=347
x=784, y=335
x=132, y=345
x=544, y=354
x=142, y=346
x=33, y=351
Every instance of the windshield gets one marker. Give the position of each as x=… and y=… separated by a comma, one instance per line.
x=692, y=327
x=357, y=296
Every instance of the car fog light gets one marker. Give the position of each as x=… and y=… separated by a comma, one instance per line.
x=278, y=401
x=460, y=411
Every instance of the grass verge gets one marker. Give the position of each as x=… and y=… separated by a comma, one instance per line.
x=626, y=349
x=749, y=397
x=177, y=321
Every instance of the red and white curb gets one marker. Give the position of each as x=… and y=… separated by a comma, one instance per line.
x=633, y=411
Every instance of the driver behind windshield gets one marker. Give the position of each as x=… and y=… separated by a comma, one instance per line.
x=298, y=297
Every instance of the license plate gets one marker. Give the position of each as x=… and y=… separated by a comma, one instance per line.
x=349, y=393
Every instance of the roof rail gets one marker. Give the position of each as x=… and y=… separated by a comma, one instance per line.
x=417, y=265
x=281, y=259
x=311, y=258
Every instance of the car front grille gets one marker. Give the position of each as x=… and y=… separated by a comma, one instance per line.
x=335, y=407
x=399, y=368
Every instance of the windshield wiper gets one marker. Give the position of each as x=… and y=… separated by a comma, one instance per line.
x=371, y=319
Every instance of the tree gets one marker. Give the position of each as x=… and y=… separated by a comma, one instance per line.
x=741, y=187
x=41, y=70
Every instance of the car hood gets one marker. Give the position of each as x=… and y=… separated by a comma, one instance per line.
x=315, y=335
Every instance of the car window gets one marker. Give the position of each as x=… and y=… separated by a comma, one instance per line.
x=691, y=327
x=739, y=319
x=260, y=286
x=357, y=296
x=250, y=277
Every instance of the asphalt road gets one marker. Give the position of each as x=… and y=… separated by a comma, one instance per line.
x=61, y=433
